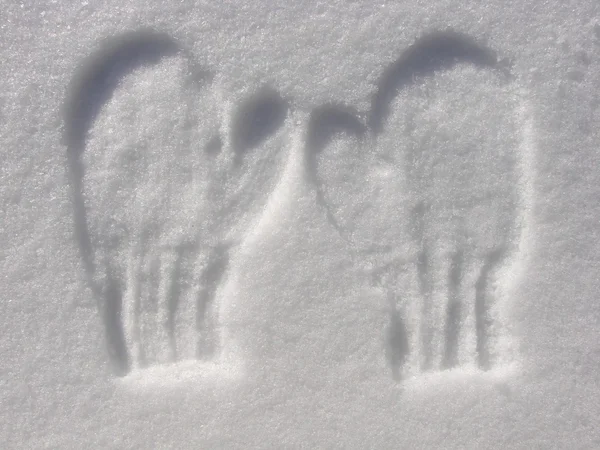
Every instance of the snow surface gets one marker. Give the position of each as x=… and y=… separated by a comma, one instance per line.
x=300, y=224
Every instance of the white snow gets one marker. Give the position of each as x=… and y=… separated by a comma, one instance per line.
x=300, y=224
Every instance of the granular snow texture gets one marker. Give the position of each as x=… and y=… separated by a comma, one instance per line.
x=300, y=224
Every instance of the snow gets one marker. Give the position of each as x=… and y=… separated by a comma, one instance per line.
x=300, y=224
